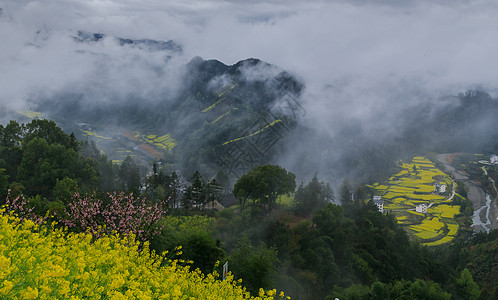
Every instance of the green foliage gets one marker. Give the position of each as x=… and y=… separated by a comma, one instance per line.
x=346, y=192
x=278, y=235
x=398, y=290
x=213, y=192
x=466, y=287
x=314, y=195
x=161, y=186
x=476, y=259
x=10, y=148
x=105, y=173
x=193, y=235
x=255, y=265
x=129, y=176
x=264, y=184
x=356, y=244
x=65, y=189
x=202, y=249
x=39, y=155
x=43, y=163
x=4, y=184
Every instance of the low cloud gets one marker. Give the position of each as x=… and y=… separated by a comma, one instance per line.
x=364, y=63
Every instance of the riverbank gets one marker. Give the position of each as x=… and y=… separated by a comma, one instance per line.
x=485, y=216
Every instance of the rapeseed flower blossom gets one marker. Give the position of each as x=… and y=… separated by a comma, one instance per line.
x=44, y=262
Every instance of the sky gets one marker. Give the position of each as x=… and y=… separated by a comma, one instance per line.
x=445, y=46
x=361, y=61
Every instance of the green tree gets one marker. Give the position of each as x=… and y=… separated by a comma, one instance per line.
x=255, y=266
x=129, y=176
x=11, y=135
x=264, y=184
x=466, y=287
x=360, y=196
x=346, y=192
x=43, y=163
x=65, y=189
x=198, y=244
x=105, y=172
x=198, y=191
x=10, y=148
x=4, y=185
x=202, y=249
x=314, y=195
x=155, y=184
x=48, y=130
x=172, y=189
x=213, y=192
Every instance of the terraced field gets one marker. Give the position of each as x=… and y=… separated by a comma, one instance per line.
x=31, y=114
x=166, y=141
x=118, y=143
x=414, y=186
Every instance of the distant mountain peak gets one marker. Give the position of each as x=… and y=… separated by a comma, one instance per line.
x=145, y=44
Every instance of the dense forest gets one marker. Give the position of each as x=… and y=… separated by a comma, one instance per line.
x=305, y=239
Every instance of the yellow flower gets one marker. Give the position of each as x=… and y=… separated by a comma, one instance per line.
x=117, y=282
x=30, y=293
x=55, y=264
x=118, y=296
x=261, y=293
x=7, y=286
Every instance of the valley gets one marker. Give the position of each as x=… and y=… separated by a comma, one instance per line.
x=485, y=211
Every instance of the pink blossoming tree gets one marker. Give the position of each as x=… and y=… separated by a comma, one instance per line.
x=122, y=214
x=20, y=207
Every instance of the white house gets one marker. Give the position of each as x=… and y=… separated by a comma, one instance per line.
x=439, y=188
x=377, y=200
x=421, y=208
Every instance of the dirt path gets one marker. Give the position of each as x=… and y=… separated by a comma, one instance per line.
x=485, y=211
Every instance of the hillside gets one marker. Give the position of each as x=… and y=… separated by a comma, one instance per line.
x=222, y=116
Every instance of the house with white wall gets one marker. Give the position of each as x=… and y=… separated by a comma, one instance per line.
x=421, y=208
x=439, y=188
x=377, y=200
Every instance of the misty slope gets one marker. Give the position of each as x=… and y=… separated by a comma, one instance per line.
x=234, y=117
x=214, y=108
x=464, y=123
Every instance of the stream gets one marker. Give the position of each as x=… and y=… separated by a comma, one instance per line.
x=476, y=218
x=485, y=217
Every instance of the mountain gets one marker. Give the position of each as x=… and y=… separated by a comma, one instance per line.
x=142, y=98
x=143, y=44
x=221, y=116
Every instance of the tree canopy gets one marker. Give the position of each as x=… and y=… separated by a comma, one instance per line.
x=264, y=184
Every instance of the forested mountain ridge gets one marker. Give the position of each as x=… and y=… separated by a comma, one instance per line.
x=312, y=249
x=215, y=106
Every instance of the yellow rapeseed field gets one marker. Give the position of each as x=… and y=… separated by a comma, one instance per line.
x=445, y=211
x=43, y=262
x=412, y=186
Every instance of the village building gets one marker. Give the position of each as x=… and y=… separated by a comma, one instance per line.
x=421, y=208
x=377, y=200
x=214, y=206
x=440, y=188
x=228, y=200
